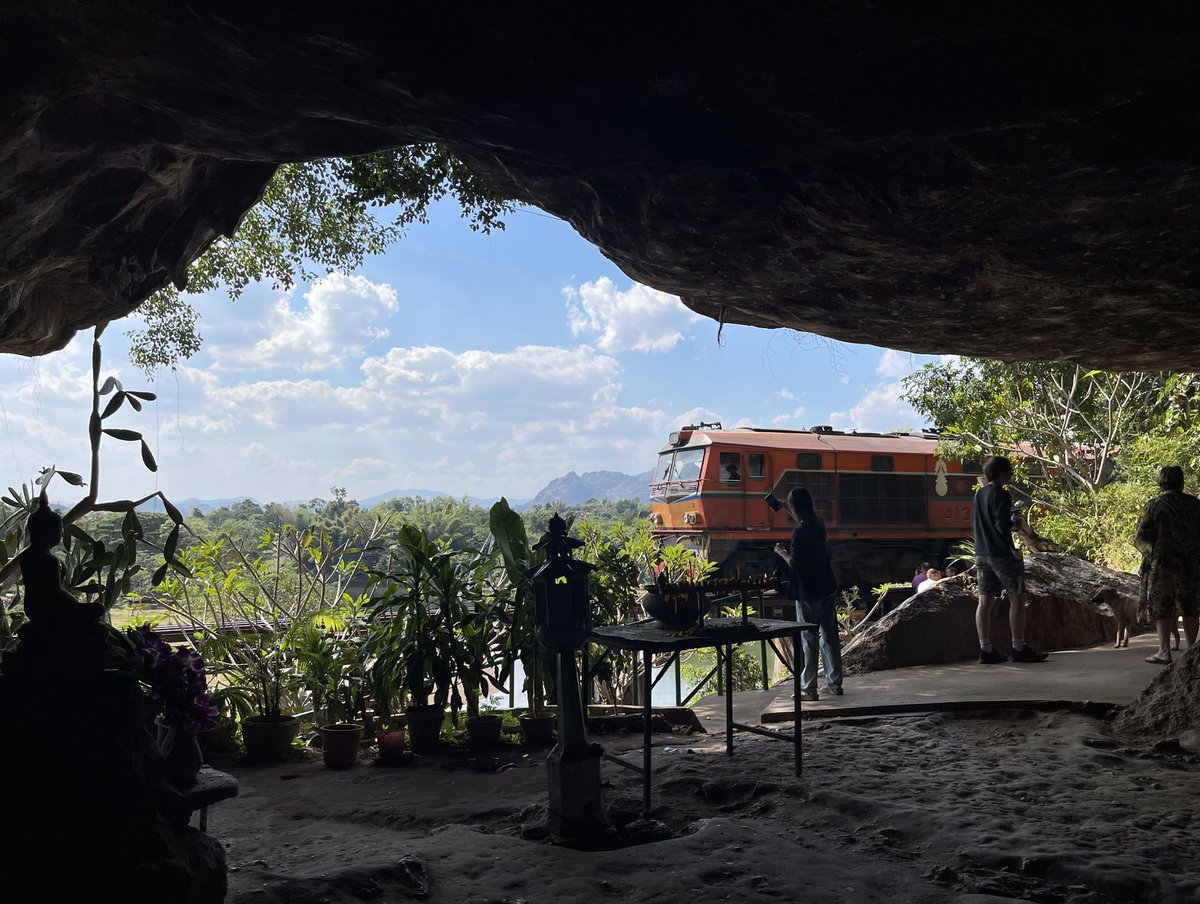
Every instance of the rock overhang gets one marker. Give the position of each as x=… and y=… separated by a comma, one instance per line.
x=1011, y=180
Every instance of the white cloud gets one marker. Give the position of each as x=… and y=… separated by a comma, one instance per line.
x=791, y=420
x=639, y=318
x=786, y=394
x=509, y=419
x=340, y=316
x=879, y=409
x=894, y=365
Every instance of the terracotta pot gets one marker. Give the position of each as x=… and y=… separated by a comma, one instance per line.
x=537, y=730
x=424, y=723
x=339, y=744
x=484, y=731
x=391, y=744
x=269, y=739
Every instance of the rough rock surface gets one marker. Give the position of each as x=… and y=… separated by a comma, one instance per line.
x=874, y=172
x=939, y=624
x=1170, y=704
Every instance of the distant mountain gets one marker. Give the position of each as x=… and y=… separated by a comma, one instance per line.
x=575, y=488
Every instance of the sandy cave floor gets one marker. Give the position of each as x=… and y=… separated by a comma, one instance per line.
x=1045, y=807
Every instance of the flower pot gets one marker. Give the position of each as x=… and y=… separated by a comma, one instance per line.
x=181, y=753
x=217, y=738
x=674, y=610
x=537, y=730
x=484, y=731
x=339, y=744
x=424, y=723
x=391, y=744
x=267, y=738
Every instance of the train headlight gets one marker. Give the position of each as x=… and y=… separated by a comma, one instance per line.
x=656, y=518
x=691, y=518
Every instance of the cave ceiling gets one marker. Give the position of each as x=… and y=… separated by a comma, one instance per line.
x=1004, y=179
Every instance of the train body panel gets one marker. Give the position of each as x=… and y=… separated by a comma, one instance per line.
x=887, y=500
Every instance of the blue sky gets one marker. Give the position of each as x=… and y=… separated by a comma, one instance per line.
x=473, y=364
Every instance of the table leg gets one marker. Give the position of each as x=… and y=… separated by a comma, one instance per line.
x=204, y=819
x=647, y=689
x=727, y=653
x=799, y=751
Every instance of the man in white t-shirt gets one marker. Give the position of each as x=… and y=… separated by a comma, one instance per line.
x=932, y=577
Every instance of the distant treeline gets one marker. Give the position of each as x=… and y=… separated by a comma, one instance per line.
x=457, y=521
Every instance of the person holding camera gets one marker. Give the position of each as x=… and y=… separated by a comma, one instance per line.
x=997, y=564
x=813, y=586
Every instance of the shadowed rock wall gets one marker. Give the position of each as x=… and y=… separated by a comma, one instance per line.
x=897, y=173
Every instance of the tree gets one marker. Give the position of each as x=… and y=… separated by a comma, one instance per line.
x=1088, y=442
x=314, y=218
x=1068, y=420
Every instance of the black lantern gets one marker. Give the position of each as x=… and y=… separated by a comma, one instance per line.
x=562, y=614
x=562, y=606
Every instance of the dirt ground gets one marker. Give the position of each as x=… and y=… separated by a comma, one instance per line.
x=1045, y=807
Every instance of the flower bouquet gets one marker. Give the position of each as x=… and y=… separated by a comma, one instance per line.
x=177, y=692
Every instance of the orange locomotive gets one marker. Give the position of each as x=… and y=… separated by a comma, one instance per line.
x=888, y=500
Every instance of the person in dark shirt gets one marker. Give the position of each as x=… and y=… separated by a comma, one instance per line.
x=813, y=586
x=997, y=565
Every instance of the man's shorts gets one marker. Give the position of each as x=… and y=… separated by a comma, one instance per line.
x=1168, y=588
x=996, y=573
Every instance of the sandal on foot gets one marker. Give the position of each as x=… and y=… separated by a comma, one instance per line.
x=1155, y=659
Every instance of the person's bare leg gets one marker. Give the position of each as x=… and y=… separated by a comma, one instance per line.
x=1190, y=625
x=1016, y=614
x=983, y=616
x=1164, y=626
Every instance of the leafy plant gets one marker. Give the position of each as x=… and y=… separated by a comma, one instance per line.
x=415, y=608
x=518, y=556
x=97, y=571
x=248, y=610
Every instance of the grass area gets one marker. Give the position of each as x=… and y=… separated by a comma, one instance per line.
x=124, y=616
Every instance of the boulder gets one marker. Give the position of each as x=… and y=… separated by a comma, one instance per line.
x=1170, y=704
x=1065, y=610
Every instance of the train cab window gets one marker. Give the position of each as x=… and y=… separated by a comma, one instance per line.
x=731, y=468
x=756, y=466
x=662, y=471
x=882, y=463
x=808, y=461
x=687, y=464
x=972, y=466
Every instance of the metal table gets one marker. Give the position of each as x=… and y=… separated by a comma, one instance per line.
x=722, y=634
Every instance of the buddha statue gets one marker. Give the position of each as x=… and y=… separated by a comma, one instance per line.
x=47, y=601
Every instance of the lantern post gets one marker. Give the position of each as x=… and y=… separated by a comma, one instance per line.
x=563, y=618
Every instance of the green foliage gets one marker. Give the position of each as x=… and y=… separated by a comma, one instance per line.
x=747, y=670
x=1087, y=443
x=314, y=218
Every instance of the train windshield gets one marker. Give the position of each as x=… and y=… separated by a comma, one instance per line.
x=681, y=465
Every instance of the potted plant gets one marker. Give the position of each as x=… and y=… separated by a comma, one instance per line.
x=477, y=633
x=243, y=605
x=329, y=667
x=176, y=691
x=381, y=720
x=414, y=612
x=676, y=599
x=521, y=645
